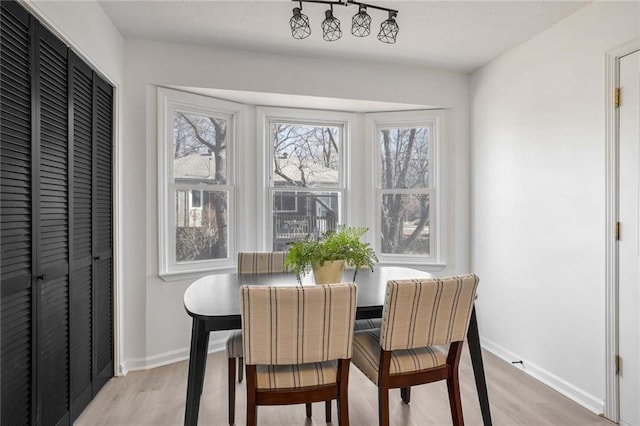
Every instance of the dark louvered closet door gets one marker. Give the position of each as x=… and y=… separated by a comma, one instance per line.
x=56, y=262
x=81, y=239
x=103, y=232
x=52, y=215
x=15, y=217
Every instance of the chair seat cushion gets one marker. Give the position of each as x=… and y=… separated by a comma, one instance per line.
x=296, y=376
x=367, y=324
x=366, y=356
x=234, y=344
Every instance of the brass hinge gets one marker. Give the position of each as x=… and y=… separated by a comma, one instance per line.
x=618, y=364
x=617, y=231
x=616, y=97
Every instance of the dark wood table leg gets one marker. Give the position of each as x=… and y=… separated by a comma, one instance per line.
x=197, y=364
x=473, y=338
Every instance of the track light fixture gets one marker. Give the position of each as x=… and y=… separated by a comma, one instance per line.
x=389, y=29
x=331, y=26
x=360, y=23
x=299, y=24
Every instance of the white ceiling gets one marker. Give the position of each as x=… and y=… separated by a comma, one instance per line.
x=451, y=35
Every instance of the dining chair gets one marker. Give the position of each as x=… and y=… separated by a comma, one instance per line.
x=249, y=262
x=424, y=323
x=297, y=345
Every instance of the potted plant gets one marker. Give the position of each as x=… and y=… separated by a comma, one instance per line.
x=330, y=252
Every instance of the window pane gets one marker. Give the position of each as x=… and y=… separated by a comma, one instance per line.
x=306, y=155
x=405, y=224
x=405, y=158
x=201, y=232
x=199, y=148
x=315, y=213
x=285, y=202
x=196, y=198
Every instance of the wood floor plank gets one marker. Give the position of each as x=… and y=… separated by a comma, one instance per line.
x=156, y=398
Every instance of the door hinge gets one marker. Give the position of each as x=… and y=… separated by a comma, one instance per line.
x=616, y=97
x=617, y=231
x=618, y=364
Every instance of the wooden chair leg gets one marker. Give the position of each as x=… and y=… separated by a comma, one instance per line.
x=231, y=367
x=327, y=411
x=405, y=393
x=343, y=393
x=252, y=408
x=343, y=410
x=453, y=385
x=240, y=369
x=383, y=406
x=308, y=407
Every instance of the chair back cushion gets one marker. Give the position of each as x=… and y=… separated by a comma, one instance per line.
x=261, y=262
x=297, y=325
x=426, y=312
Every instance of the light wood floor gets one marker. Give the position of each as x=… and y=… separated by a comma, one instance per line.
x=156, y=397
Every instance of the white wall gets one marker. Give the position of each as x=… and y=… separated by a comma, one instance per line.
x=538, y=199
x=92, y=35
x=156, y=326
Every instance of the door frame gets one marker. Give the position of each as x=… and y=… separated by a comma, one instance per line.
x=612, y=81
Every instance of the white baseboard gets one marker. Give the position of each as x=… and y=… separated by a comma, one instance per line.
x=137, y=364
x=588, y=401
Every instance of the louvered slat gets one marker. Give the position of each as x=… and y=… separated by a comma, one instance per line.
x=82, y=163
x=81, y=336
x=54, y=349
x=104, y=167
x=103, y=112
x=15, y=150
x=53, y=230
x=104, y=314
x=15, y=217
x=54, y=156
x=16, y=358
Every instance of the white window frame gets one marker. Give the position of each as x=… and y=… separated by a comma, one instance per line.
x=169, y=102
x=435, y=120
x=268, y=115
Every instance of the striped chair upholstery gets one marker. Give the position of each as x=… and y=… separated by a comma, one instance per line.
x=367, y=324
x=419, y=313
x=297, y=342
x=366, y=356
x=256, y=262
x=424, y=323
x=234, y=344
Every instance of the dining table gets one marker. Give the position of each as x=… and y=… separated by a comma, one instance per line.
x=213, y=303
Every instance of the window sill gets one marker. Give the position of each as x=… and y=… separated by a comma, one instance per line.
x=424, y=265
x=195, y=274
